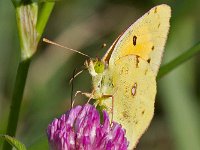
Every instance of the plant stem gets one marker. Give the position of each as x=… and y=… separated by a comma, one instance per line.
x=23, y=13
x=43, y=17
x=178, y=61
x=20, y=81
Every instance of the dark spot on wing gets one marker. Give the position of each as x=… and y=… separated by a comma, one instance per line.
x=158, y=25
x=152, y=48
x=125, y=114
x=126, y=91
x=155, y=10
x=149, y=60
x=137, y=61
x=124, y=70
x=136, y=122
x=134, y=88
x=134, y=40
x=143, y=112
x=145, y=73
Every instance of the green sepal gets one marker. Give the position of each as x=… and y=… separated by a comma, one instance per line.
x=26, y=15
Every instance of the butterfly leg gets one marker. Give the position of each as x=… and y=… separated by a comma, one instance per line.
x=89, y=95
x=71, y=82
x=74, y=76
x=73, y=101
x=89, y=99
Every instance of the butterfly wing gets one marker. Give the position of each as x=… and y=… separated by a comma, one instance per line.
x=134, y=96
x=145, y=38
x=134, y=60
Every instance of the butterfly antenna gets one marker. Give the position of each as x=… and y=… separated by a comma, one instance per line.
x=53, y=43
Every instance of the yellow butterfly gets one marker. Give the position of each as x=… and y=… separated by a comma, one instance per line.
x=126, y=75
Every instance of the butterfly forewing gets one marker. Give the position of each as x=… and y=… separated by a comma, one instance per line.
x=145, y=38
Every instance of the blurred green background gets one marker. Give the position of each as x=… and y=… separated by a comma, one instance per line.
x=86, y=25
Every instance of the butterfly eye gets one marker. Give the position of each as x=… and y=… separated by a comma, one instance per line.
x=99, y=67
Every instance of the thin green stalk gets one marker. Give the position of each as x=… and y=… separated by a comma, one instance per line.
x=179, y=60
x=20, y=82
x=43, y=17
x=29, y=36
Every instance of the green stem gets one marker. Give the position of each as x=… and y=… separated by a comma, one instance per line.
x=26, y=38
x=20, y=82
x=43, y=17
x=179, y=60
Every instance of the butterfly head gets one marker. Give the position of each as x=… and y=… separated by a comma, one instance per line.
x=95, y=66
x=99, y=66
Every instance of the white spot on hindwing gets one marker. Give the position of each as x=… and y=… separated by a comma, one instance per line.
x=134, y=88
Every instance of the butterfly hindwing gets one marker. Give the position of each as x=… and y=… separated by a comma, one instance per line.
x=134, y=96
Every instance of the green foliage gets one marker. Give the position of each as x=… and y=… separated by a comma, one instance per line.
x=179, y=60
x=14, y=142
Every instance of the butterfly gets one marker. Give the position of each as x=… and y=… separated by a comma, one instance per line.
x=125, y=78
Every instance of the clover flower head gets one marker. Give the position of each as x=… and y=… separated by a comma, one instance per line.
x=80, y=129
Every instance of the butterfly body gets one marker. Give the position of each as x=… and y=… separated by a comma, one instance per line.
x=101, y=80
x=127, y=73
